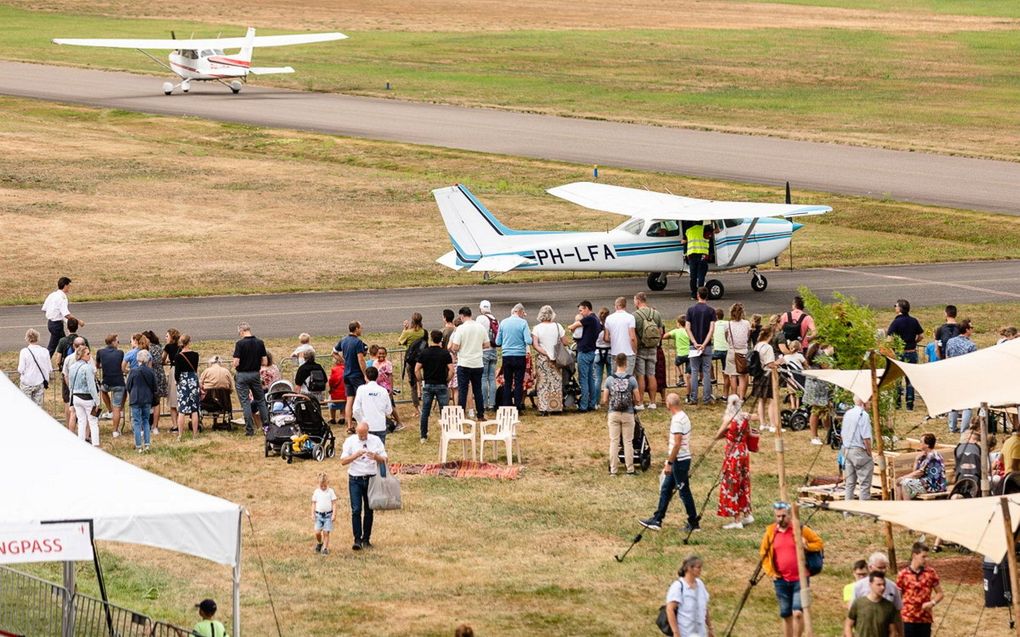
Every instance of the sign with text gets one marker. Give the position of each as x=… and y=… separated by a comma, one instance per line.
x=45, y=543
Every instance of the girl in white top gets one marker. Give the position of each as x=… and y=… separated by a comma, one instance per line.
x=324, y=513
x=687, y=601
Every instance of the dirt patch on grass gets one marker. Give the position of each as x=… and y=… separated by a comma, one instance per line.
x=963, y=569
x=497, y=15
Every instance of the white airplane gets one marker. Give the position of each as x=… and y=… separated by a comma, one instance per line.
x=745, y=234
x=204, y=60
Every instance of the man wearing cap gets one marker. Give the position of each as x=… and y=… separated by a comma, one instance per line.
x=208, y=627
x=779, y=560
x=491, y=325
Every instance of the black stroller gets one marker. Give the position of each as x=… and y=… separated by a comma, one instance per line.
x=642, y=450
x=297, y=428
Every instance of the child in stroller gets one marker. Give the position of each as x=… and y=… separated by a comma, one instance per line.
x=297, y=428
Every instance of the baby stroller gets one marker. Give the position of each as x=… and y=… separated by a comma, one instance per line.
x=793, y=379
x=571, y=391
x=297, y=428
x=642, y=450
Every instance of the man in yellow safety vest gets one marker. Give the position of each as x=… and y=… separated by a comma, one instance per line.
x=697, y=256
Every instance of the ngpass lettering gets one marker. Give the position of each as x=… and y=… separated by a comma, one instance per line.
x=31, y=547
x=577, y=254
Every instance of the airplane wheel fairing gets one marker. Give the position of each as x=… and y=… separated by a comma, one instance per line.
x=715, y=289
x=656, y=281
x=759, y=283
x=235, y=86
x=168, y=88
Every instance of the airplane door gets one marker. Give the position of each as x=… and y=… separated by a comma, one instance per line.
x=726, y=244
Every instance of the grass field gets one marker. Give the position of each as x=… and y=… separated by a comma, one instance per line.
x=918, y=78
x=146, y=206
x=532, y=556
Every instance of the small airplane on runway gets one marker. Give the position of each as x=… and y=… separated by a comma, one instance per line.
x=744, y=235
x=204, y=60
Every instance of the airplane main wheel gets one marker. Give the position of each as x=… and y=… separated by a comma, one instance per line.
x=759, y=283
x=715, y=289
x=235, y=86
x=657, y=281
x=168, y=88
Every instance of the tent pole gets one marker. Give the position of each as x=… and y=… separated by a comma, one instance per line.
x=236, y=581
x=67, y=626
x=890, y=545
x=985, y=488
x=1011, y=559
x=805, y=590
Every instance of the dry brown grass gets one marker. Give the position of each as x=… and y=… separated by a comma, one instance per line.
x=495, y=15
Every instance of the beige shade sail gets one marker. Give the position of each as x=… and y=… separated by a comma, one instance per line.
x=990, y=375
x=975, y=523
x=856, y=381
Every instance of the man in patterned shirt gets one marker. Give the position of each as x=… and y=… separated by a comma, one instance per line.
x=917, y=582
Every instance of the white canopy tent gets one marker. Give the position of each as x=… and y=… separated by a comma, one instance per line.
x=51, y=475
x=986, y=376
x=856, y=381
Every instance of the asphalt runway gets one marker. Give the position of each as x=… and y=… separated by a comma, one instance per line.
x=287, y=315
x=933, y=179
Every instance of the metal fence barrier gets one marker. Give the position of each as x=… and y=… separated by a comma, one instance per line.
x=33, y=607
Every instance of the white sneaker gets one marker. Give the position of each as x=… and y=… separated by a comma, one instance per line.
x=816, y=441
x=155, y=431
x=639, y=407
x=651, y=406
x=106, y=415
x=116, y=434
x=748, y=520
x=733, y=525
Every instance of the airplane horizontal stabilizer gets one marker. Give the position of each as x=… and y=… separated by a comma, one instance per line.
x=270, y=70
x=450, y=260
x=500, y=263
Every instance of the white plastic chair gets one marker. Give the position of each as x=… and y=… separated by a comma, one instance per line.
x=454, y=426
x=505, y=431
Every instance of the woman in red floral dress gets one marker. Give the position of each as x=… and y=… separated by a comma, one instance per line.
x=735, y=486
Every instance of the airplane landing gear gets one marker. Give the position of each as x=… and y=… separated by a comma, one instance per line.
x=168, y=88
x=235, y=86
x=185, y=86
x=715, y=289
x=657, y=281
x=758, y=282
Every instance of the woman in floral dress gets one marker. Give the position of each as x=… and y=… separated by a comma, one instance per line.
x=156, y=354
x=735, y=486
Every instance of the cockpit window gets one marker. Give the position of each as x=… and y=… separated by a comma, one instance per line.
x=207, y=53
x=664, y=228
x=732, y=223
x=634, y=226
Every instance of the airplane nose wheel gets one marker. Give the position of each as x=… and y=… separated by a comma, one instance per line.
x=715, y=289
x=185, y=86
x=657, y=281
x=759, y=283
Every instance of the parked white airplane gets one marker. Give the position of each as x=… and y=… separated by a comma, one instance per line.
x=204, y=60
x=745, y=234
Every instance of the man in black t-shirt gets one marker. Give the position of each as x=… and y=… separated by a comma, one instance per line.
x=249, y=357
x=701, y=330
x=110, y=361
x=590, y=329
x=435, y=371
x=946, y=331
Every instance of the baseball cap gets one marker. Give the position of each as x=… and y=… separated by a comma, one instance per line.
x=207, y=606
x=485, y=306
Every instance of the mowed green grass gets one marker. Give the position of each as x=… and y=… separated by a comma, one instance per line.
x=527, y=557
x=944, y=92
x=158, y=206
x=996, y=8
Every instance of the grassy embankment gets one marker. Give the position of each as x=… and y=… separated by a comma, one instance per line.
x=514, y=558
x=145, y=206
x=864, y=77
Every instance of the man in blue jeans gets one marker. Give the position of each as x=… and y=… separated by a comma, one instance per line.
x=514, y=337
x=365, y=453
x=677, y=469
x=434, y=371
x=249, y=357
x=590, y=328
x=701, y=330
x=911, y=333
x=489, y=355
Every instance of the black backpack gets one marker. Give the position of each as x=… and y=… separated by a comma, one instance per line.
x=415, y=350
x=316, y=380
x=754, y=366
x=791, y=328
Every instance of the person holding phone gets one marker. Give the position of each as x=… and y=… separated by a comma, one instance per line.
x=364, y=453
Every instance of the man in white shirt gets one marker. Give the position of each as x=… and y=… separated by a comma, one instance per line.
x=56, y=311
x=858, y=463
x=469, y=341
x=34, y=368
x=621, y=333
x=363, y=452
x=372, y=404
x=676, y=472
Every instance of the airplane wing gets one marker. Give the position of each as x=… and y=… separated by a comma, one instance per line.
x=500, y=263
x=207, y=43
x=646, y=204
x=270, y=70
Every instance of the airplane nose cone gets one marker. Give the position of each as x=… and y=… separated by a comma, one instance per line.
x=797, y=226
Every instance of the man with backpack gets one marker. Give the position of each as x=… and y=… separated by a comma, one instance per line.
x=676, y=472
x=797, y=325
x=311, y=378
x=946, y=331
x=620, y=393
x=649, y=329
x=489, y=354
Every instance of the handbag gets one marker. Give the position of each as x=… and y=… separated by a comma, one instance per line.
x=662, y=621
x=753, y=440
x=739, y=360
x=562, y=356
x=45, y=382
x=384, y=493
x=814, y=560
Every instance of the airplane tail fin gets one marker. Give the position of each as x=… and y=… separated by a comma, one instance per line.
x=249, y=45
x=473, y=230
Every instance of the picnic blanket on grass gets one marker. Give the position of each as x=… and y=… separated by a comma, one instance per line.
x=459, y=469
